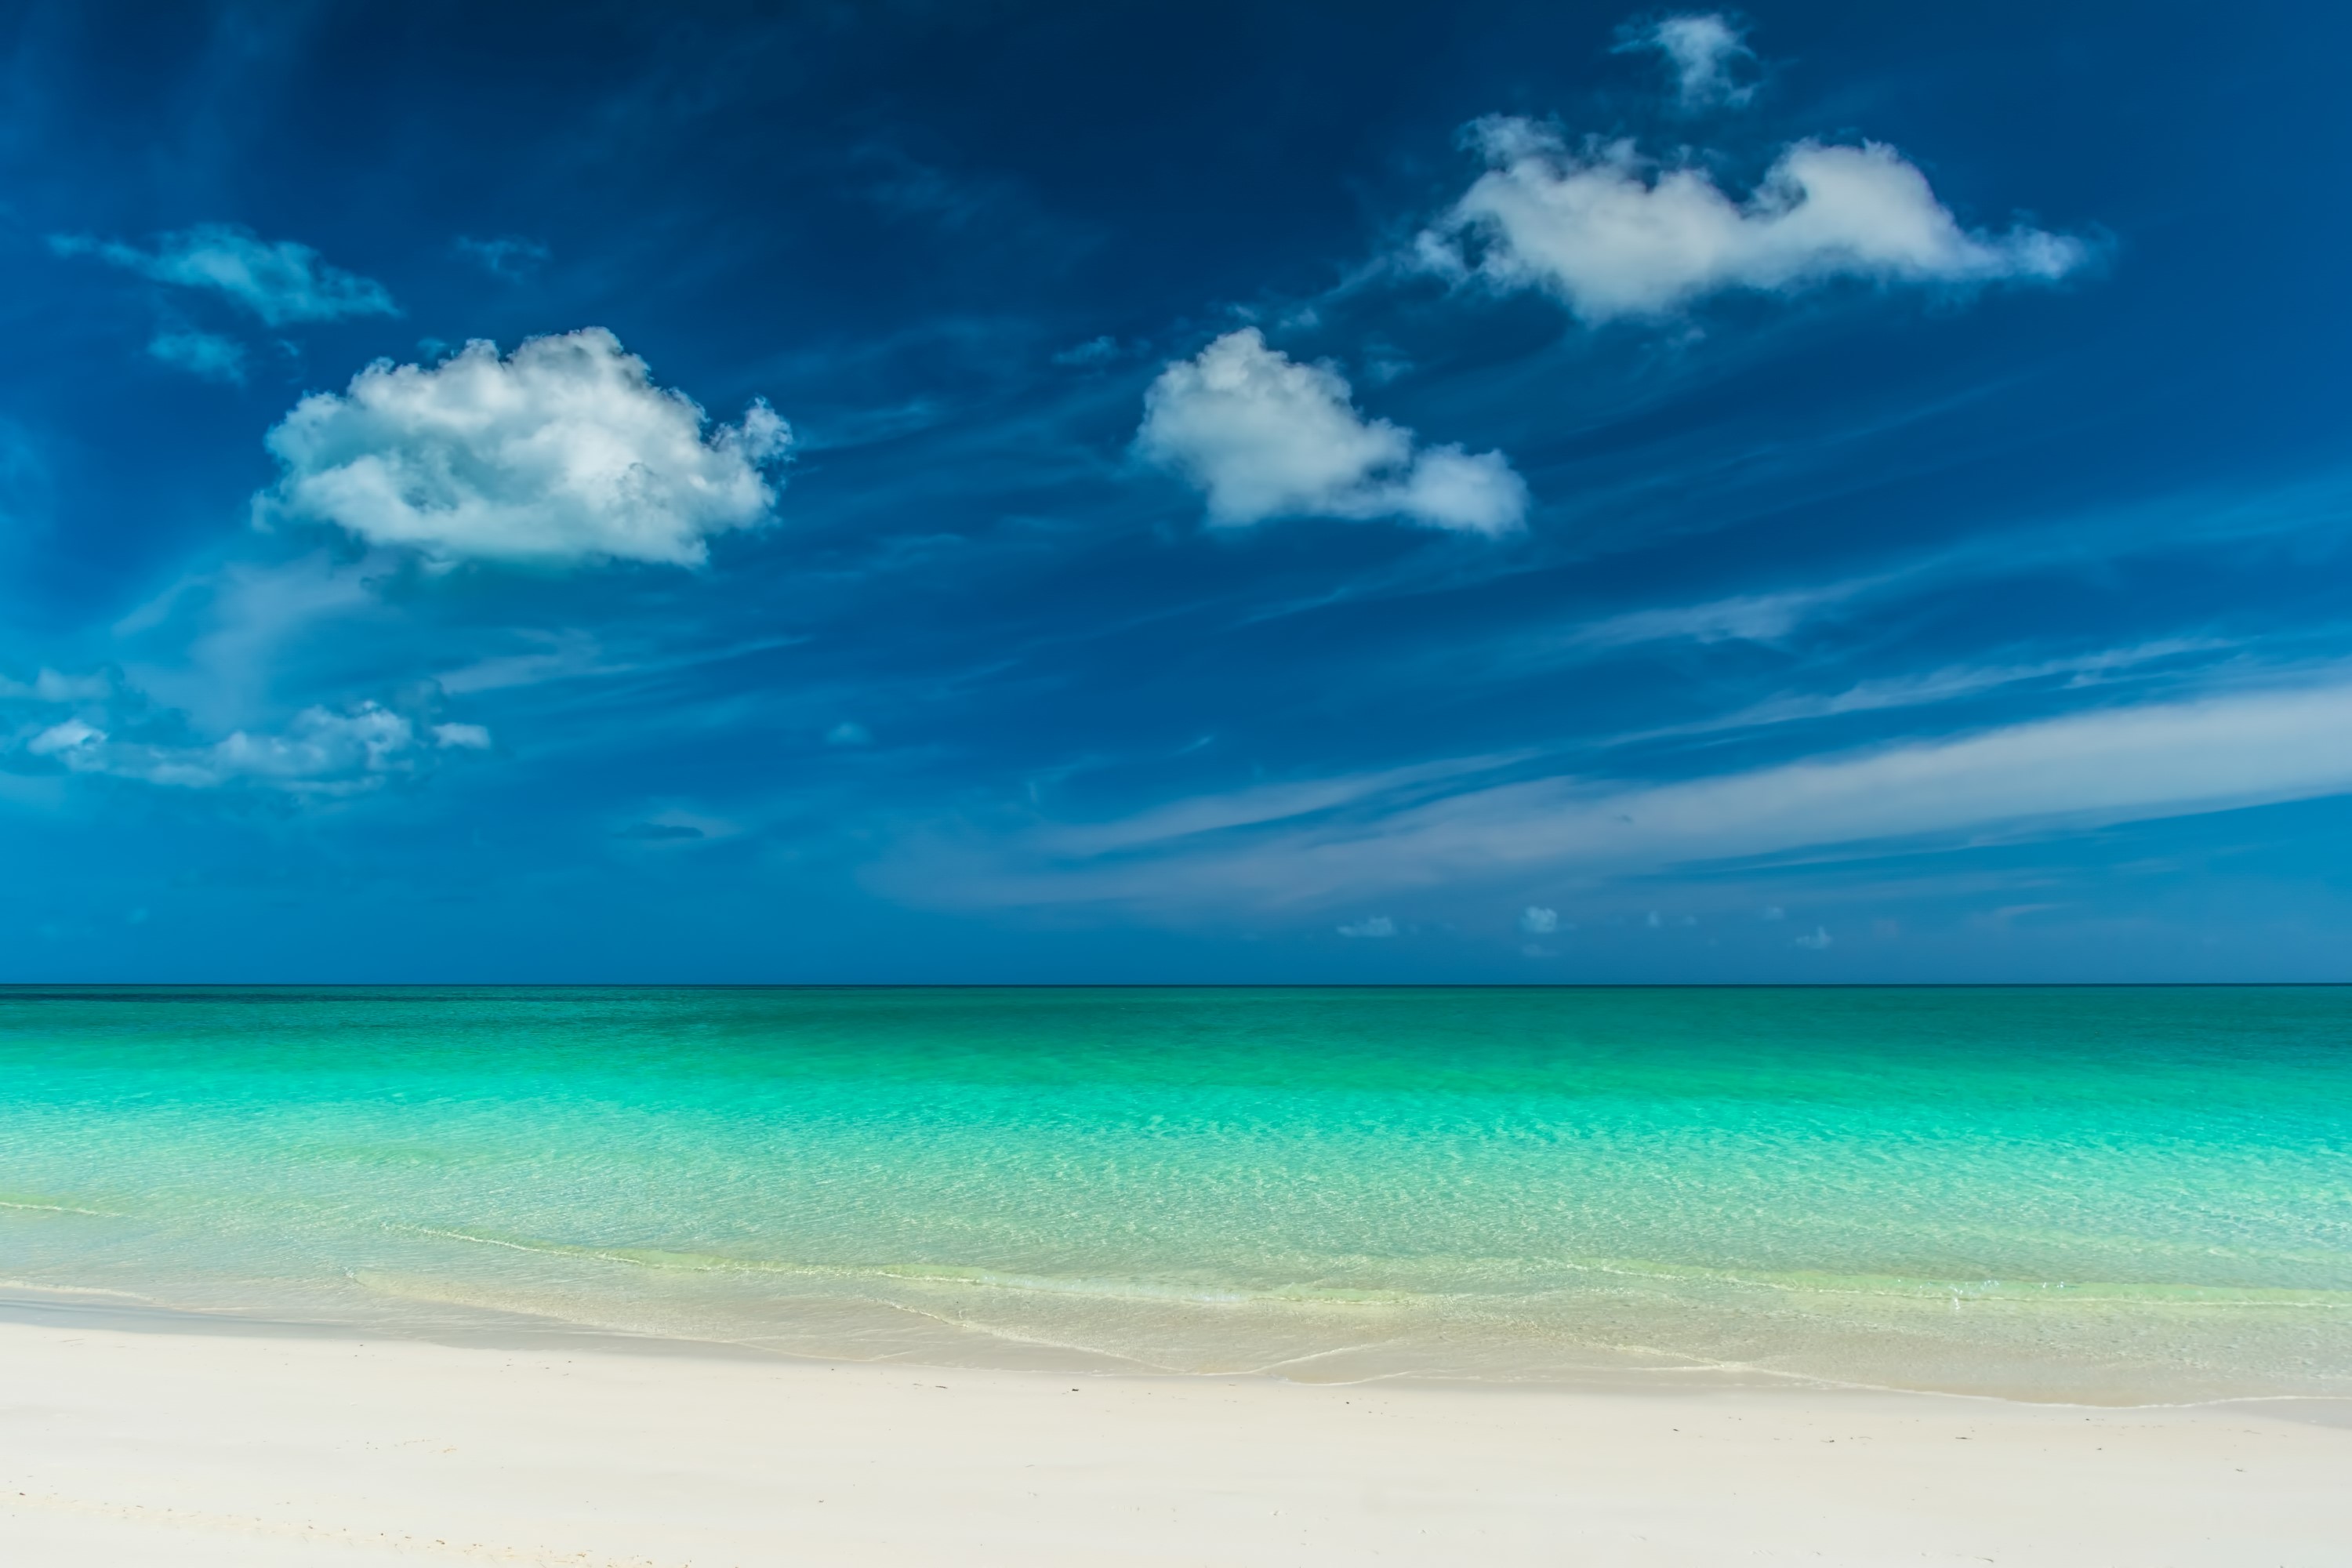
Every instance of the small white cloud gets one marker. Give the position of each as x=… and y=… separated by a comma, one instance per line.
x=1703, y=50
x=506, y=256
x=848, y=733
x=564, y=452
x=321, y=752
x=467, y=737
x=280, y=281
x=1263, y=437
x=206, y=354
x=1536, y=920
x=1816, y=938
x=1472, y=492
x=319, y=743
x=1378, y=925
x=1775, y=912
x=1613, y=233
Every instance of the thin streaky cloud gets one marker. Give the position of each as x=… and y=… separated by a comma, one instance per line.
x=507, y=255
x=280, y=282
x=1949, y=683
x=2120, y=764
x=206, y=355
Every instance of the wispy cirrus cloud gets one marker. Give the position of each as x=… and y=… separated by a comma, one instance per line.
x=552, y=656
x=280, y=282
x=1947, y=683
x=1263, y=803
x=2155, y=759
x=1740, y=617
x=1706, y=52
x=507, y=255
x=207, y=355
x=213, y=642
x=2312, y=515
x=205, y=721
x=56, y=686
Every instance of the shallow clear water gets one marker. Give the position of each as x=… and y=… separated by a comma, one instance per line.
x=2094, y=1194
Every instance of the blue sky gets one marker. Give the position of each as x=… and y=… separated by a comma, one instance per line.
x=1056, y=492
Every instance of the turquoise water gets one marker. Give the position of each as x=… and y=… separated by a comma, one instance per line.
x=2084, y=1194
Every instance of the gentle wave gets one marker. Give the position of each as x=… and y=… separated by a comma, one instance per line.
x=2085, y=1293
x=933, y=1274
x=57, y=1208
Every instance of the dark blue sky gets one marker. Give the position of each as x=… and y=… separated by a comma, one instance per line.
x=1481, y=492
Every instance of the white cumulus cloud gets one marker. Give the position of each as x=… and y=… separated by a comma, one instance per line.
x=1263, y=436
x=1702, y=50
x=1377, y=926
x=1613, y=234
x=1536, y=920
x=281, y=281
x=564, y=451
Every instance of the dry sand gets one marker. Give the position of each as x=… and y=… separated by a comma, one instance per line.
x=131, y=1447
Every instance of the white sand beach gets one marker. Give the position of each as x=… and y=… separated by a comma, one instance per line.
x=131, y=1447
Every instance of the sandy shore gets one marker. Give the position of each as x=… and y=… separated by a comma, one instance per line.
x=130, y=1447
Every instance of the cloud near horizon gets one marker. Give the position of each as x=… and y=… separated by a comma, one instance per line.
x=1368, y=837
x=1263, y=436
x=281, y=282
x=1613, y=234
x=562, y=453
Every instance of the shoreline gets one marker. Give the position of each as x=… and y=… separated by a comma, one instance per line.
x=473, y=1329
x=469, y=1328
x=274, y=1444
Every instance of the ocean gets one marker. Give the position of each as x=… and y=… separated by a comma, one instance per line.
x=2107, y=1194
